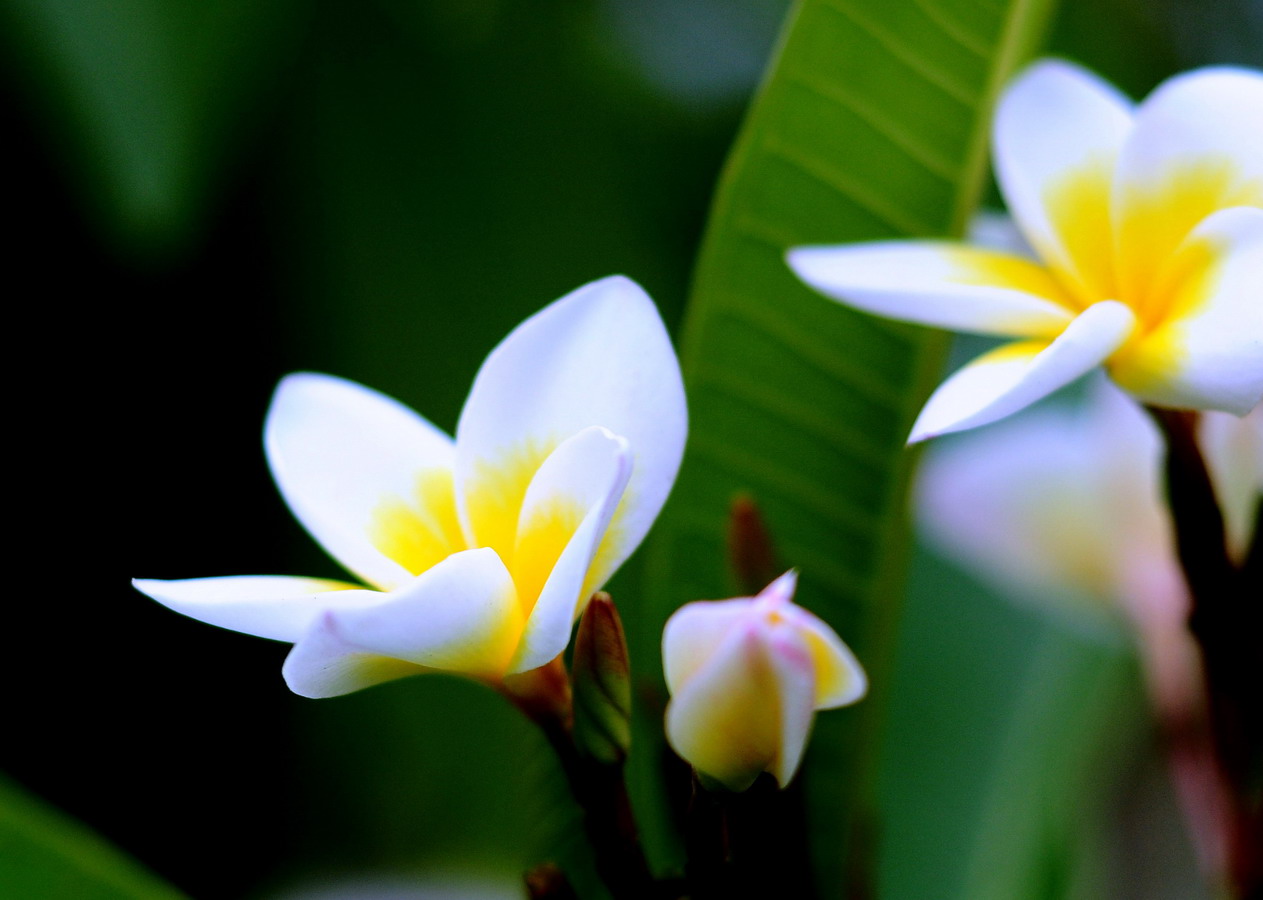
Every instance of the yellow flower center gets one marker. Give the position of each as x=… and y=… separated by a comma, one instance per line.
x=421, y=532
x=1142, y=259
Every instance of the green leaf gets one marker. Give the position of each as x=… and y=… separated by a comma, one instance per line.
x=1007, y=728
x=873, y=124
x=44, y=855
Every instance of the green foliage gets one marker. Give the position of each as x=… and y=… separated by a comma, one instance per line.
x=44, y=855
x=872, y=124
x=146, y=100
x=1005, y=745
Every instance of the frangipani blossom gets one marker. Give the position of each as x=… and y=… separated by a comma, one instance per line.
x=1148, y=225
x=477, y=554
x=746, y=678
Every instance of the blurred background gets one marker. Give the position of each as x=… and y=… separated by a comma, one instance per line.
x=207, y=196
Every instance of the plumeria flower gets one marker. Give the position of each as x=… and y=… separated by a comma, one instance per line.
x=475, y=555
x=1148, y=225
x=746, y=678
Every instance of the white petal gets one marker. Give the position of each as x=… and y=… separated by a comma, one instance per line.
x=1207, y=350
x=726, y=720
x=270, y=606
x=781, y=590
x=598, y=356
x=460, y=616
x=324, y=664
x=839, y=678
x=940, y=284
x=342, y=453
x=694, y=633
x=1000, y=383
x=1058, y=130
x=560, y=557
x=796, y=686
x=1054, y=500
x=1197, y=147
x=1233, y=448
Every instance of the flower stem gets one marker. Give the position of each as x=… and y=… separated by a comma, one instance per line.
x=750, y=844
x=1224, y=603
x=598, y=787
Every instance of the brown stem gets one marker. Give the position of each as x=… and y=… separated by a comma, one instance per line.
x=601, y=791
x=599, y=788
x=753, y=844
x=1221, y=619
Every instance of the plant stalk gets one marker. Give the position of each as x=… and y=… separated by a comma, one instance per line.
x=1224, y=607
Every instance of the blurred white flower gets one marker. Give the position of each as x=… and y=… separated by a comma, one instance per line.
x=1069, y=502
x=478, y=553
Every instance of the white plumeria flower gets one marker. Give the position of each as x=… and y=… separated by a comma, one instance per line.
x=746, y=677
x=478, y=553
x=1149, y=225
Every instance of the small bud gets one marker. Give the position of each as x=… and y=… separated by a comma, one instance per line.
x=602, y=684
x=750, y=551
x=746, y=678
x=547, y=882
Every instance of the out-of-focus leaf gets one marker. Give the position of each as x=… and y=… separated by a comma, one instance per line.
x=873, y=124
x=145, y=100
x=45, y=855
x=1001, y=760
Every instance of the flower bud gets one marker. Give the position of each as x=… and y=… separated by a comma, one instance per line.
x=746, y=678
x=602, y=684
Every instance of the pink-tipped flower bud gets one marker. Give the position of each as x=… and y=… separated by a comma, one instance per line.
x=746, y=677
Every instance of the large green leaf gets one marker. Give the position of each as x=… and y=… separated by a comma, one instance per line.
x=44, y=855
x=873, y=124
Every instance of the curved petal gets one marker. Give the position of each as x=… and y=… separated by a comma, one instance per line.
x=839, y=678
x=1197, y=147
x=693, y=634
x=1005, y=380
x=939, y=284
x=348, y=461
x=796, y=686
x=726, y=720
x=562, y=538
x=1207, y=351
x=270, y=606
x=1234, y=457
x=598, y=356
x=460, y=616
x=324, y=664
x=1054, y=501
x=1058, y=130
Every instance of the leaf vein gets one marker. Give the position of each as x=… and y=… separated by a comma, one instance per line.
x=900, y=51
